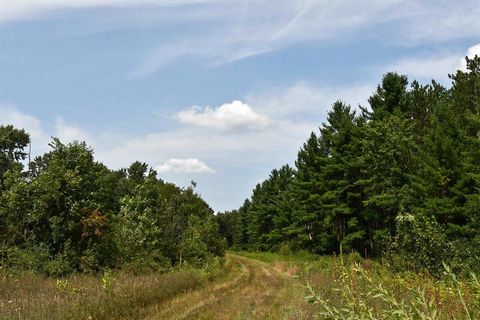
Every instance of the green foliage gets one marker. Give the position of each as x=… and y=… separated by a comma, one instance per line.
x=70, y=213
x=402, y=178
x=12, y=144
x=200, y=242
x=419, y=245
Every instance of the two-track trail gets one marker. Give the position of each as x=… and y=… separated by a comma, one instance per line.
x=252, y=290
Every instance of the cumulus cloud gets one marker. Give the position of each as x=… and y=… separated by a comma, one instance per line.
x=236, y=145
x=189, y=165
x=229, y=116
x=228, y=153
x=293, y=113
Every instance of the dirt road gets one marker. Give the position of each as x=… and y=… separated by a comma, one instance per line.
x=251, y=290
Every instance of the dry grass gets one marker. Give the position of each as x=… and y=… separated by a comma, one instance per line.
x=251, y=286
x=88, y=297
x=254, y=290
x=353, y=288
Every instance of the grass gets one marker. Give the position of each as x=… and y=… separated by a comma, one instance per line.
x=254, y=291
x=350, y=287
x=250, y=285
x=114, y=295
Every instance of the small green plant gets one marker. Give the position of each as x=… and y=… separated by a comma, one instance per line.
x=107, y=280
x=62, y=285
x=472, y=312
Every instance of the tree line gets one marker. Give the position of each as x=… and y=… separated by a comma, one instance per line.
x=400, y=179
x=67, y=212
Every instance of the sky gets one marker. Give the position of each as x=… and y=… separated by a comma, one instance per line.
x=216, y=91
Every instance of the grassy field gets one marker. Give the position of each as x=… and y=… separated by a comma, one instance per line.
x=247, y=286
x=112, y=295
x=354, y=288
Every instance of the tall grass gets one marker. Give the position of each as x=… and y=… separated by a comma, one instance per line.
x=112, y=295
x=369, y=291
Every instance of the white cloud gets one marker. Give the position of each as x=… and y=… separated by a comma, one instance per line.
x=240, y=155
x=229, y=116
x=189, y=165
x=40, y=135
x=283, y=130
x=436, y=66
x=24, y=9
x=243, y=30
x=10, y=115
x=303, y=99
x=69, y=133
x=471, y=52
x=292, y=114
x=474, y=51
x=32, y=125
x=441, y=21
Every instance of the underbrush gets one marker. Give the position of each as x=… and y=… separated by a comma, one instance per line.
x=111, y=295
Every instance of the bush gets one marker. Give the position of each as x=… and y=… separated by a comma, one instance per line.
x=146, y=263
x=420, y=244
x=201, y=242
x=34, y=259
x=285, y=249
x=60, y=266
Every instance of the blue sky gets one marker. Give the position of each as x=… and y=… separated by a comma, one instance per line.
x=216, y=91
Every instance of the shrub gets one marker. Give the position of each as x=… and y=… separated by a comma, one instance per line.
x=33, y=259
x=420, y=244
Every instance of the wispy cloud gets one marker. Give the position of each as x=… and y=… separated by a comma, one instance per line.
x=27, y=9
x=304, y=100
x=438, y=21
x=245, y=30
x=9, y=115
x=40, y=134
x=434, y=66
x=227, y=30
x=69, y=133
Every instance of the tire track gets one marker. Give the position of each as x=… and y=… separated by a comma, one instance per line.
x=257, y=292
x=171, y=311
